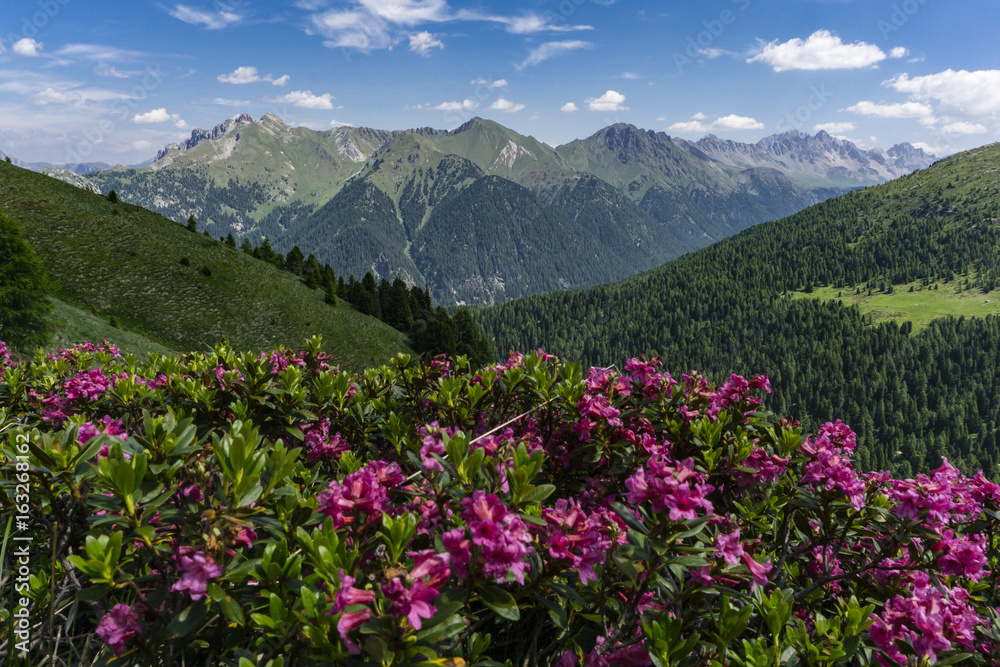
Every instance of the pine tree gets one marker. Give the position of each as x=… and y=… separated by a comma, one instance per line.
x=192, y=224
x=294, y=260
x=331, y=294
x=24, y=304
x=230, y=241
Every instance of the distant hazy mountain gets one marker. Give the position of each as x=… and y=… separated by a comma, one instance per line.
x=415, y=203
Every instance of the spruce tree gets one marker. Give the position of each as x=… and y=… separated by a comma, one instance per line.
x=24, y=304
x=192, y=224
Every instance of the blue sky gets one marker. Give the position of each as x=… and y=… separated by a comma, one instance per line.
x=113, y=81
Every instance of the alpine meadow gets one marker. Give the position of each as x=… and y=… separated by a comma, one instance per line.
x=561, y=333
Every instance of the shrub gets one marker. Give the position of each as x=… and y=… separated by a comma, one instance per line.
x=242, y=509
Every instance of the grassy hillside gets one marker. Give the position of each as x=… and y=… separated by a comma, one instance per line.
x=181, y=290
x=74, y=325
x=728, y=308
x=920, y=307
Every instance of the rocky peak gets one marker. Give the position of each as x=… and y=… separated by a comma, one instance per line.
x=198, y=135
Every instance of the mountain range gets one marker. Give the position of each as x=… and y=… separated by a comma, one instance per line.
x=482, y=213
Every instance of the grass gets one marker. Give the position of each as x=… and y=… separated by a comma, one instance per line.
x=73, y=325
x=921, y=306
x=124, y=261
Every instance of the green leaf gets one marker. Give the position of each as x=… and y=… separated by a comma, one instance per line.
x=539, y=493
x=232, y=611
x=500, y=602
x=188, y=620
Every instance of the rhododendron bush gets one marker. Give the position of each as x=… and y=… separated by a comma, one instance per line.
x=267, y=509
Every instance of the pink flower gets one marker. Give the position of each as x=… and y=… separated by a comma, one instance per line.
x=677, y=489
x=502, y=537
x=576, y=537
x=758, y=571
x=118, y=626
x=460, y=549
x=414, y=602
x=320, y=445
x=433, y=443
x=728, y=547
x=348, y=622
x=830, y=467
x=89, y=385
x=196, y=569
x=362, y=496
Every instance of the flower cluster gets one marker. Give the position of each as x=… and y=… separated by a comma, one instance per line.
x=676, y=489
x=363, y=495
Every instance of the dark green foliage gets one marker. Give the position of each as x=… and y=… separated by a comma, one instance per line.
x=205, y=271
x=24, y=303
x=396, y=310
x=113, y=321
x=184, y=261
x=293, y=261
x=330, y=296
x=113, y=197
x=725, y=309
x=192, y=224
x=230, y=241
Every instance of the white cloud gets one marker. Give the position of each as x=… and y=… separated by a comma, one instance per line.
x=239, y=76
x=464, y=105
x=2, y=47
x=821, y=50
x=423, y=42
x=835, y=127
x=610, y=101
x=569, y=107
x=222, y=101
x=552, y=49
x=729, y=123
x=969, y=95
x=352, y=29
x=211, y=20
x=898, y=110
x=26, y=47
x=53, y=96
x=104, y=69
x=499, y=83
x=899, y=52
x=98, y=52
x=506, y=105
x=334, y=124
x=281, y=81
x=630, y=75
x=964, y=127
x=528, y=24
x=407, y=12
x=158, y=116
x=306, y=100
x=734, y=122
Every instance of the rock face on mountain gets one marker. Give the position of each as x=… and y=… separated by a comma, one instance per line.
x=72, y=178
x=821, y=159
x=482, y=213
x=199, y=135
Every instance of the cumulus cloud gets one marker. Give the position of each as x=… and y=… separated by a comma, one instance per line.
x=612, y=100
x=898, y=110
x=899, y=52
x=729, y=123
x=548, y=50
x=971, y=95
x=821, y=50
x=281, y=80
x=506, y=105
x=963, y=127
x=241, y=75
x=334, y=124
x=423, y=42
x=26, y=47
x=835, y=127
x=212, y=20
x=464, y=105
x=306, y=100
x=53, y=96
x=569, y=107
x=158, y=116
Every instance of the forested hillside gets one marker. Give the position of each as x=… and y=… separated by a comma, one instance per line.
x=726, y=308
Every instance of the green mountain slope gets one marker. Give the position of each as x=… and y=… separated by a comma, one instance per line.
x=646, y=196
x=725, y=309
x=181, y=290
